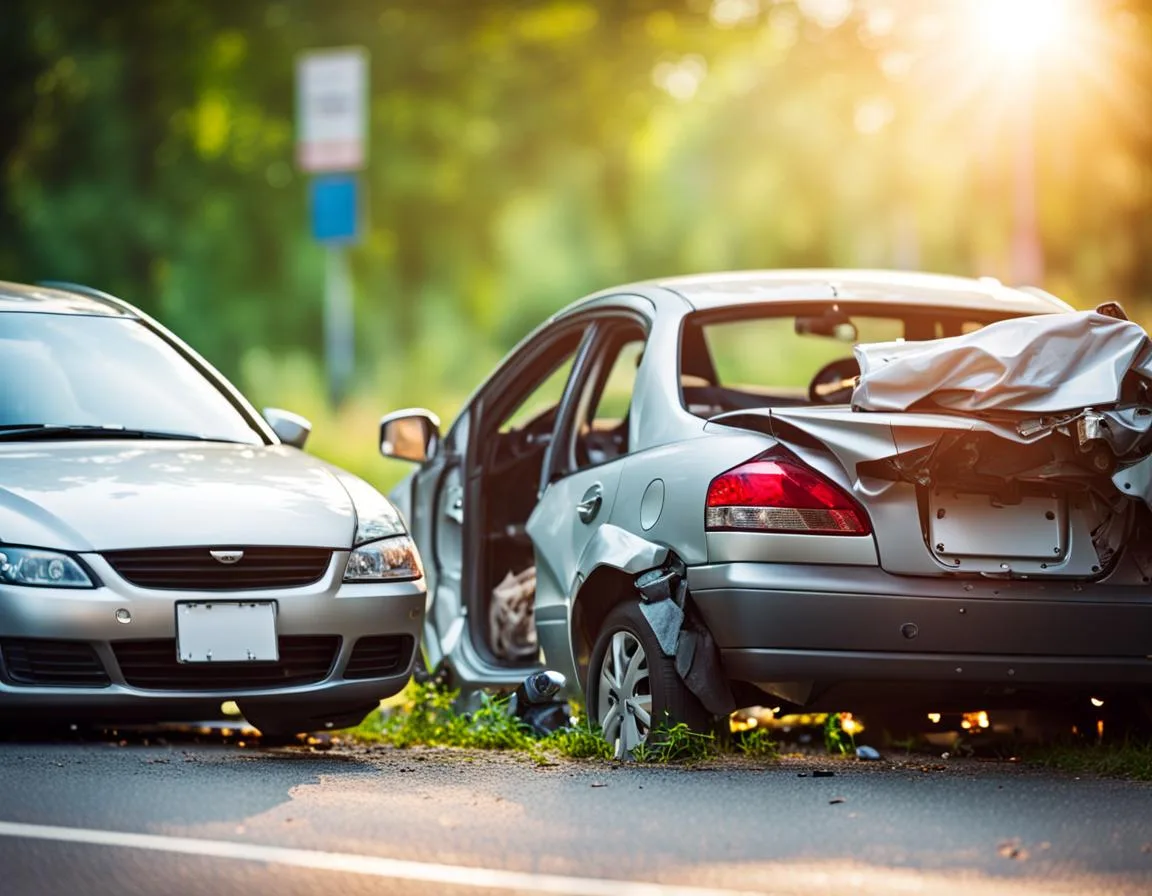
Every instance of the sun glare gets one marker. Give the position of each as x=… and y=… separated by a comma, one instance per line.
x=1020, y=31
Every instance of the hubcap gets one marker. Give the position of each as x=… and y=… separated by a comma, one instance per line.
x=624, y=701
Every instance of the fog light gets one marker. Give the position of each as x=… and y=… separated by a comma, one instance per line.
x=123, y=616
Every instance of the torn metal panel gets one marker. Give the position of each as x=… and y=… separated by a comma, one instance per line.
x=1042, y=364
x=666, y=604
x=620, y=549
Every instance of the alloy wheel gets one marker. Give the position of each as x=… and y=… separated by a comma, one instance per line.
x=624, y=699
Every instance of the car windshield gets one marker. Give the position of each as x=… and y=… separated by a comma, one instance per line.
x=64, y=370
x=774, y=356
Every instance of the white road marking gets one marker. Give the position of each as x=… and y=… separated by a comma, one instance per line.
x=351, y=863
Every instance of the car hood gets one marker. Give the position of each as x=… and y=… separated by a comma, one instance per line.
x=97, y=496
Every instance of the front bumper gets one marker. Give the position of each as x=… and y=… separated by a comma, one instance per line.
x=320, y=628
x=808, y=623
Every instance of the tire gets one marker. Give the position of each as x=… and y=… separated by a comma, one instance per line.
x=628, y=669
x=286, y=720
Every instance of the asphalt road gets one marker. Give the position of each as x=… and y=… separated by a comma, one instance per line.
x=94, y=818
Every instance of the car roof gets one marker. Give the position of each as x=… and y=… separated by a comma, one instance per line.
x=60, y=300
x=705, y=292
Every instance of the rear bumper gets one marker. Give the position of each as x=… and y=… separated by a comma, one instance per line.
x=793, y=622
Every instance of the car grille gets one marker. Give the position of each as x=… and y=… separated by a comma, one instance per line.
x=153, y=665
x=379, y=656
x=36, y=661
x=196, y=569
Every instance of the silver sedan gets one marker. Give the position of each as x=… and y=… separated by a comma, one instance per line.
x=668, y=493
x=164, y=548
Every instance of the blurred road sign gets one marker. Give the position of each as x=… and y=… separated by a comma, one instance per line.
x=332, y=109
x=334, y=203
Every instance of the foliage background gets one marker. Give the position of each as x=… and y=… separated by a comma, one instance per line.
x=525, y=153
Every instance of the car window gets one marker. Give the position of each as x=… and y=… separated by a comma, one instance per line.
x=775, y=356
x=768, y=352
x=616, y=396
x=68, y=369
x=601, y=431
x=544, y=389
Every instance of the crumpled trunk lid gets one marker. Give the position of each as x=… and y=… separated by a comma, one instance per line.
x=950, y=494
x=1023, y=449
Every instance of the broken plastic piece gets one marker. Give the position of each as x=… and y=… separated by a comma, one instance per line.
x=540, y=687
x=867, y=753
x=534, y=702
x=657, y=585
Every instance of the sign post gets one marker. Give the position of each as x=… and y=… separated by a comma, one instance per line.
x=332, y=119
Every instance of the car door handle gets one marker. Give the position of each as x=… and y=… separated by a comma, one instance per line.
x=589, y=505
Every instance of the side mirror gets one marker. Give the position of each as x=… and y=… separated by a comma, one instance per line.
x=412, y=434
x=291, y=429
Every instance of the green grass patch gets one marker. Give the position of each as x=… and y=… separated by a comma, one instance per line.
x=838, y=740
x=1132, y=760
x=581, y=741
x=676, y=743
x=756, y=743
x=427, y=715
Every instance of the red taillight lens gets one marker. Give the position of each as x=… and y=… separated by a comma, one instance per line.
x=774, y=495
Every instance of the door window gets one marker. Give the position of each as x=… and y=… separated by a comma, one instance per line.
x=604, y=411
x=541, y=386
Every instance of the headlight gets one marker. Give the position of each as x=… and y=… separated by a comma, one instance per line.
x=387, y=560
x=30, y=566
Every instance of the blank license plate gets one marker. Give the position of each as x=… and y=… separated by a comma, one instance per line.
x=972, y=526
x=226, y=632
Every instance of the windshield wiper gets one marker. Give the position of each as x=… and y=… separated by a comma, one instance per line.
x=19, y=432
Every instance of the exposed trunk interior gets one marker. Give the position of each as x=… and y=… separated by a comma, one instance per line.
x=993, y=497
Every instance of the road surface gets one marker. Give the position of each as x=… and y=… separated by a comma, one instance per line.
x=190, y=818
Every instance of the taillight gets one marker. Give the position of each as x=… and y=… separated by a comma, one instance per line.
x=771, y=494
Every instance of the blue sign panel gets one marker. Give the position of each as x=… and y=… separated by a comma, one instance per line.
x=335, y=202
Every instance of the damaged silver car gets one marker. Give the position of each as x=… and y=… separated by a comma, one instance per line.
x=827, y=489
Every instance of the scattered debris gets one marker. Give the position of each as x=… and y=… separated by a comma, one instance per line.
x=822, y=773
x=598, y=784
x=534, y=703
x=1012, y=849
x=836, y=800
x=869, y=754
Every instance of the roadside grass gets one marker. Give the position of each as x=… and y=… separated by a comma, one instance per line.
x=426, y=715
x=675, y=744
x=757, y=743
x=1127, y=759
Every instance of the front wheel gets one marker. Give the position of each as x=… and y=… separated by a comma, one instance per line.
x=633, y=689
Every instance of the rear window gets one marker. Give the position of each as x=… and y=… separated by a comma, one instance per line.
x=775, y=356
